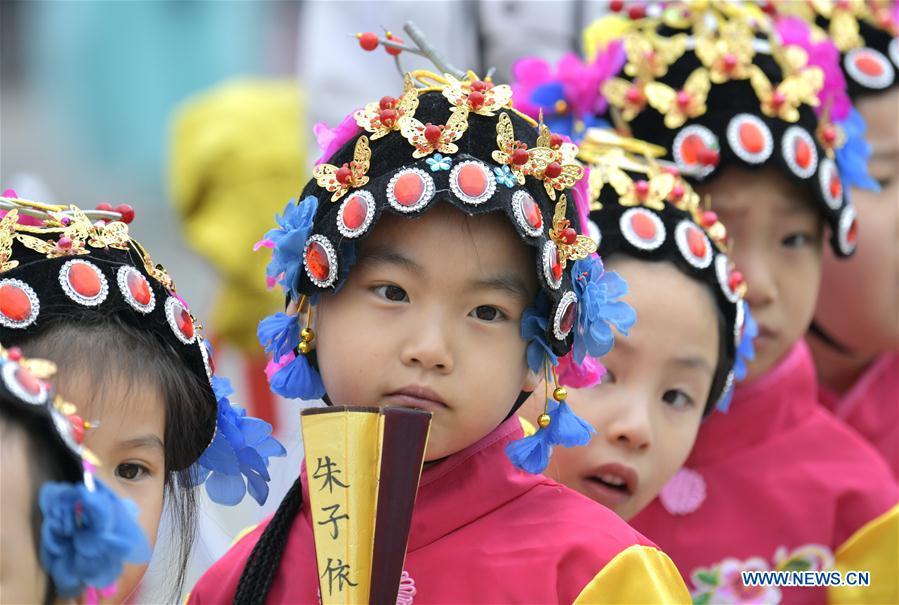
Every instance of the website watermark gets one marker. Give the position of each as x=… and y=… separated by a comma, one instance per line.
x=806, y=578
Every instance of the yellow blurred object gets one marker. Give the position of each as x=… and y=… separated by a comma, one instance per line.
x=237, y=155
x=602, y=31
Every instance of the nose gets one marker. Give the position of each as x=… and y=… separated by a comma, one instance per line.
x=428, y=346
x=761, y=288
x=630, y=424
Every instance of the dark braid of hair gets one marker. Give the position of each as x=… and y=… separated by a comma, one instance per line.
x=259, y=573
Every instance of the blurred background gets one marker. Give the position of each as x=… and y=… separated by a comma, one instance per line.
x=199, y=115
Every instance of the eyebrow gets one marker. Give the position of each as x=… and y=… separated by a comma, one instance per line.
x=385, y=255
x=150, y=441
x=692, y=362
x=505, y=282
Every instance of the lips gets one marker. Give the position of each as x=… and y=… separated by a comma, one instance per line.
x=416, y=396
x=611, y=484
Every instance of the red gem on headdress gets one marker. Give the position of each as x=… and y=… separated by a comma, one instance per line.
x=709, y=218
x=556, y=266
x=480, y=85
x=476, y=99
x=852, y=234
x=553, y=170
x=472, y=180
x=387, y=103
x=730, y=62
x=556, y=140
x=683, y=99
x=139, y=288
x=829, y=134
x=778, y=98
x=708, y=157
x=15, y=304
x=697, y=242
x=520, y=156
x=691, y=148
x=317, y=261
x=567, y=321
x=868, y=64
x=616, y=6
x=77, y=427
x=343, y=174
x=398, y=40
x=408, y=189
x=769, y=7
x=677, y=192
x=126, y=211
x=28, y=382
x=637, y=11
x=84, y=279
x=568, y=235
x=643, y=226
x=802, y=152
x=14, y=353
x=641, y=188
x=105, y=207
x=354, y=212
x=64, y=243
x=635, y=96
x=388, y=117
x=751, y=138
x=432, y=133
x=734, y=280
x=532, y=212
x=185, y=323
x=368, y=41
x=835, y=185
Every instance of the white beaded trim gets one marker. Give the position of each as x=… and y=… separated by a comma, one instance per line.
x=32, y=298
x=369, y=201
x=893, y=51
x=170, y=304
x=205, y=353
x=700, y=171
x=683, y=244
x=847, y=218
x=14, y=386
x=733, y=138
x=427, y=191
x=738, y=324
x=627, y=230
x=568, y=299
x=518, y=199
x=884, y=80
x=65, y=431
x=488, y=190
x=550, y=251
x=723, y=274
x=332, y=261
x=826, y=169
x=122, y=279
x=87, y=301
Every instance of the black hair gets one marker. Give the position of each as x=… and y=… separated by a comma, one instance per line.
x=47, y=461
x=91, y=342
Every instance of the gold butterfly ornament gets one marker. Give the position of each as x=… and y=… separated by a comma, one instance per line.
x=570, y=245
x=340, y=179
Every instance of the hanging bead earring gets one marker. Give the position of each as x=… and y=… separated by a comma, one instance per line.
x=306, y=335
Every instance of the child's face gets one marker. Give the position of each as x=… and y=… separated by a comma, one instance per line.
x=21, y=578
x=647, y=409
x=429, y=318
x=129, y=441
x=777, y=238
x=859, y=295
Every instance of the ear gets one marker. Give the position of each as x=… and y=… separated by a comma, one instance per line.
x=532, y=380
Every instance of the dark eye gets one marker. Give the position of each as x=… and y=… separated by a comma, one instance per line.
x=392, y=293
x=796, y=240
x=676, y=398
x=131, y=471
x=487, y=313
